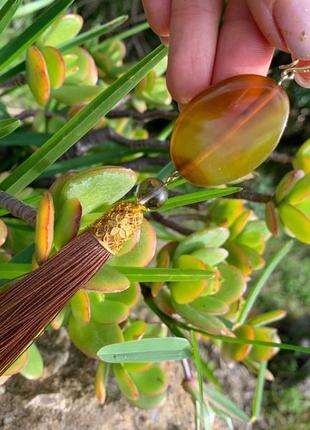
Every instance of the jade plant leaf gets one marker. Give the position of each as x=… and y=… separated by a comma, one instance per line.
x=150, y=350
x=80, y=306
x=151, y=382
x=44, y=233
x=34, y=367
x=135, y=330
x=262, y=353
x=211, y=256
x=59, y=319
x=300, y=192
x=3, y=232
x=101, y=380
x=236, y=351
x=73, y=95
x=101, y=186
x=55, y=64
x=18, y=364
x=68, y=222
x=108, y=280
x=129, y=297
x=64, y=28
x=125, y=382
x=37, y=75
x=287, y=183
x=109, y=312
x=211, y=237
x=86, y=72
x=233, y=284
x=267, y=318
x=149, y=402
x=143, y=252
x=210, y=305
x=296, y=221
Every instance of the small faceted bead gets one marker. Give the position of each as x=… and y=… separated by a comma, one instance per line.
x=229, y=130
x=152, y=193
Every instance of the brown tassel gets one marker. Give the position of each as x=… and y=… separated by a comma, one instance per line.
x=28, y=306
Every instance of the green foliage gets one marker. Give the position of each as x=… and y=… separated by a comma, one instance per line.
x=203, y=278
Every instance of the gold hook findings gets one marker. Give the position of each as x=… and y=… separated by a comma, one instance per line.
x=288, y=71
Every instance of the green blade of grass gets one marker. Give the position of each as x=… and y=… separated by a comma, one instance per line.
x=31, y=7
x=146, y=350
x=18, y=45
x=7, y=126
x=6, y=13
x=259, y=391
x=155, y=274
x=96, y=32
x=80, y=124
x=226, y=405
x=259, y=284
x=197, y=197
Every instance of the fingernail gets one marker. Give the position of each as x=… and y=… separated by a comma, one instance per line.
x=293, y=21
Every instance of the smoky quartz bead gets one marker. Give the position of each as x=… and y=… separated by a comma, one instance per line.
x=152, y=193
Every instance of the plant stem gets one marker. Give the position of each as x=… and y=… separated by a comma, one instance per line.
x=257, y=287
x=17, y=208
x=167, y=222
x=259, y=391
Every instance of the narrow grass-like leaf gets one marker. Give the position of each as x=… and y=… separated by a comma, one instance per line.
x=226, y=405
x=154, y=274
x=32, y=7
x=6, y=13
x=259, y=284
x=80, y=124
x=95, y=32
x=18, y=45
x=197, y=197
x=146, y=350
x=13, y=270
x=259, y=391
x=7, y=126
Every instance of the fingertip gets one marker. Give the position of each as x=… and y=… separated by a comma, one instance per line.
x=158, y=15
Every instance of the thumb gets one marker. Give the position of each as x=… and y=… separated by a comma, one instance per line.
x=285, y=24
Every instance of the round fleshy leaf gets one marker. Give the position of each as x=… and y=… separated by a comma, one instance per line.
x=152, y=382
x=108, y=280
x=37, y=75
x=225, y=211
x=59, y=319
x=296, y=221
x=255, y=260
x=211, y=256
x=125, y=382
x=147, y=402
x=3, y=232
x=233, y=284
x=109, y=312
x=18, y=364
x=287, y=183
x=208, y=238
x=101, y=381
x=72, y=95
x=163, y=260
x=68, y=222
x=80, y=306
x=44, y=233
x=135, y=330
x=55, y=64
x=186, y=292
x=163, y=301
x=56, y=188
x=300, y=192
x=64, y=28
x=156, y=330
x=209, y=323
x=239, y=223
x=101, y=186
x=263, y=353
x=129, y=297
x=302, y=157
x=267, y=318
x=130, y=244
x=143, y=252
x=236, y=351
x=137, y=367
x=239, y=258
x=86, y=68
x=89, y=338
x=210, y=305
x=34, y=367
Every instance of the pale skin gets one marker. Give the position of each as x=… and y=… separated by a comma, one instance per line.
x=201, y=52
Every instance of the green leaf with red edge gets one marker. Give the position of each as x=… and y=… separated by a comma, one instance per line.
x=37, y=75
x=239, y=223
x=18, y=364
x=3, y=232
x=186, y=292
x=263, y=353
x=267, y=318
x=135, y=330
x=129, y=297
x=287, y=183
x=211, y=256
x=72, y=95
x=236, y=351
x=125, y=382
x=163, y=260
x=233, y=284
x=80, y=306
x=59, y=319
x=86, y=68
x=300, y=192
x=34, y=367
x=142, y=253
x=101, y=380
x=64, y=28
x=89, y=338
x=100, y=186
x=68, y=222
x=109, y=312
x=55, y=64
x=152, y=382
x=44, y=234
x=108, y=280
x=210, y=305
x=296, y=221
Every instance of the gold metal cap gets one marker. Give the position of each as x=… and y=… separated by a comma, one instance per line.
x=118, y=225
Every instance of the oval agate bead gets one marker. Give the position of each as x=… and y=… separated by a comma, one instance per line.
x=229, y=130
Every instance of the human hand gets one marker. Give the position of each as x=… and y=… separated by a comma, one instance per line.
x=201, y=54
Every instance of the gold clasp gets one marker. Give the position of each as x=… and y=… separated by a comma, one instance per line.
x=288, y=71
